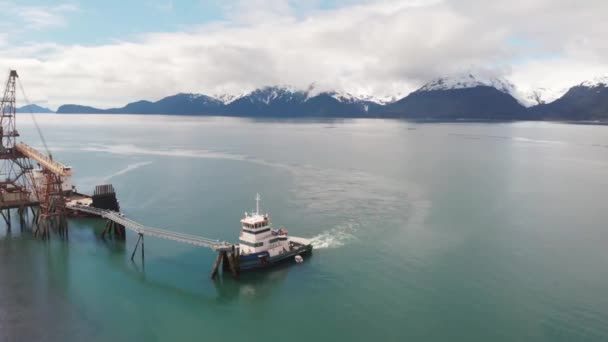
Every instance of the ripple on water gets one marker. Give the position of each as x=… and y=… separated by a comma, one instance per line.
x=338, y=236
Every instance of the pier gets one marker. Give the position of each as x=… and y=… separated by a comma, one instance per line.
x=121, y=220
x=227, y=253
x=47, y=192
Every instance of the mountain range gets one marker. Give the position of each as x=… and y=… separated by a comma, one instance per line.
x=586, y=101
x=465, y=97
x=267, y=101
x=33, y=108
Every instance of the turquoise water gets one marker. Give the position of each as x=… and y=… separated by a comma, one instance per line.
x=424, y=232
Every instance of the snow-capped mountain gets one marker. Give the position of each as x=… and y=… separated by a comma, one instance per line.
x=268, y=95
x=461, y=97
x=541, y=96
x=456, y=97
x=264, y=95
x=228, y=98
x=525, y=98
x=347, y=97
x=468, y=81
x=545, y=95
x=196, y=98
x=289, y=101
x=585, y=101
x=601, y=81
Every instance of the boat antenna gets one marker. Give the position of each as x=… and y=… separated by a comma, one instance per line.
x=257, y=204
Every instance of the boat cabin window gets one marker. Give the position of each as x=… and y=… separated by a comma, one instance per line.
x=252, y=244
x=255, y=225
x=277, y=239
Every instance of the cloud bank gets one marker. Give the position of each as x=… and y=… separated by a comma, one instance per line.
x=379, y=48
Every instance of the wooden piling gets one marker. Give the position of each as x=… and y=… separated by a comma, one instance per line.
x=105, y=229
x=34, y=216
x=237, y=259
x=225, y=263
x=20, y=215
x=119, y=231
x=64, y=222
x=7, y=218
x=122, y=235
x=231, y=262
x=216, y=266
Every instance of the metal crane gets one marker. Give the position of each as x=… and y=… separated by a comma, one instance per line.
x=20, y=188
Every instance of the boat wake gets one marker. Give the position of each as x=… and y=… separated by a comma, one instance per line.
x=128, y=149
x=335, y=237
x=127, y=169
x=505, y=137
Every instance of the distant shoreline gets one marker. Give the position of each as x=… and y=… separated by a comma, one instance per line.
x=308, y=118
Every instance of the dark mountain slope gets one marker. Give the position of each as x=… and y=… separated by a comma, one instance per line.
x=479, y=102
x=579, y=103
x=33, y=108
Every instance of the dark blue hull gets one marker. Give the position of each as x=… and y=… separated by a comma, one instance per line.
x=263, y=259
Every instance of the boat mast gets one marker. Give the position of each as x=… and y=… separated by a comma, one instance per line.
x=257, y=204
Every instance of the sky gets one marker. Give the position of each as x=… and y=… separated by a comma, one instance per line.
x=108, y=53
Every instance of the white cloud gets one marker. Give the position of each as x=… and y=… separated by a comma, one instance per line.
x=43, y=17
x=380, y=48
x=558, y=73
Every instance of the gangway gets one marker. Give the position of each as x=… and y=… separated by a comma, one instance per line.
x=140, y=229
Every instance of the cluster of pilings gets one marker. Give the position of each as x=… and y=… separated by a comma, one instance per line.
x=45, y=223
x=52, y=213
x=51, y=218
x=230, y=261
x=6, y=215
x=104, y=197
x=42, y=222
x=114, y=230
x=22, y=214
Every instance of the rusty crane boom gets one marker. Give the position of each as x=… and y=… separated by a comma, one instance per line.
x=22, y=186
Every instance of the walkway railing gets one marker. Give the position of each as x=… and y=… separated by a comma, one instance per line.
x=140, y=229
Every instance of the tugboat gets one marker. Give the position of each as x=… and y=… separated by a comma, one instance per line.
x=262, y=246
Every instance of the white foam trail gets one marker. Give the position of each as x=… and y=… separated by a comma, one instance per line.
x=128, y=169
x=539, y=141
x=512, y=138
x=199, y=153
x=335, y=237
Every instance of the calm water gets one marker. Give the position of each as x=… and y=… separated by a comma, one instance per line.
x=423, y=232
